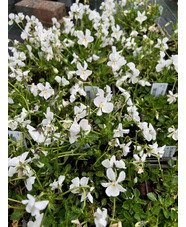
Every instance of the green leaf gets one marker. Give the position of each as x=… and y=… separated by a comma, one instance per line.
x=152, y=196
x=67, y=168
x=126, y=205
x=103, y=201
x=166, y=213
x=156, y=209
x=160, y=199
x=100, y=174
x=16, y=215
x=101, y=60
x=136, y=192
x=170, y=162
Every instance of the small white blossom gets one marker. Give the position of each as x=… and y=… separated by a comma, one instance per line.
x=173, y=133
x=172, y=97
x=113, y=187
x=100, y=217
x=84, y=39
x=113, y=163
x=35, y=134
x=58, y=183
x=76, y=182
x=46, y=91
x=37, y=222
x=157, y=151
x=12, y=125
x=141, y=17
x=120, y=131
x=82, y=71
x=34, y=207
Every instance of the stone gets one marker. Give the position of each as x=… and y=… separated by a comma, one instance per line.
x=41, y=9
x=46, y=10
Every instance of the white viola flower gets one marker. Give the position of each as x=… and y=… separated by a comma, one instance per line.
x=37, y=222
x=135, y=72
x=104, y=106
x=34, y=207
x=58, y=183
x=148, y=132
x=100, y=217
x=120, y=131
x=125, y=148
x=46, y=91
x=68, y=43
x=30, y=180
x=95, y=57
x=144, y=83
x=173, y=133
x=141, y=17
x=35, y=134
x=94, y=15
x=84, y=39
x=113, y=163
x=174, y=59
x=16, y=164
x=141, y=158
x=49, y=117
x=157, y=151
x=113, y=188
x=162, y=44
x=34, y=89
x=70, y=74
x=75, y=60
x=122, y=3
x=172, y=97
x=12, y=125
x=116, y=32
x=133, y=113
x=76, y=182
x=76, y=128
x=80, y=112
x=62, y=81
x=84, y=125
x=77, y=88
x=67, y=123
x=116, y=60
x=134, y=33
x=10, y=100
x=82, y=71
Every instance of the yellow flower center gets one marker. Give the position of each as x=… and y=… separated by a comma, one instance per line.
x=116, y=33
x=45, y=92
x=114, y=63
x=85, y=40
x=102, y=105
x=83, y=73
x=113, y=185
x=140, y=18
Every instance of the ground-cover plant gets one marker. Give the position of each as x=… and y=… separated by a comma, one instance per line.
x=81, y=94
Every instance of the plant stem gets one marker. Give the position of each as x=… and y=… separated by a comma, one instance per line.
x=13, y=200
x=160, y=168
x=114, y=208
x=18, y=208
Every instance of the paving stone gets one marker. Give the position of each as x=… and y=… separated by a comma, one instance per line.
x=43, y=10
x=46, y=10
